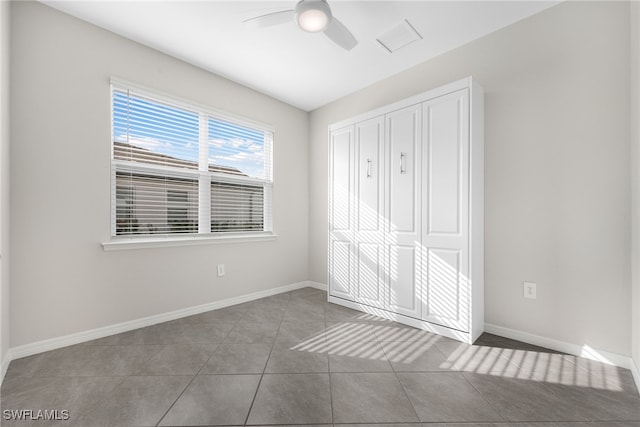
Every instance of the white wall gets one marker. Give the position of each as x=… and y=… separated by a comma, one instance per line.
x=557, y=169
x=61, y=279
x=635, y=183
x=4, y=182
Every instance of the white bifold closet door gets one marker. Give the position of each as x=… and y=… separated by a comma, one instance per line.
x=369, y=234
x=341, y=218
x=406, y=211
x=445, y=207
x=402, y=216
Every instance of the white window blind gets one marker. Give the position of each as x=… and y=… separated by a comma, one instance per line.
x=180, y=169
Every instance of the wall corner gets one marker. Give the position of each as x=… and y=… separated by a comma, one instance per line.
x=634, y=86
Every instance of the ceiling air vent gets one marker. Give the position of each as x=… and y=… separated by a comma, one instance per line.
x=399, y=36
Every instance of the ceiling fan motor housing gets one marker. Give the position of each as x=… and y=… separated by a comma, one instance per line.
x=313, y=16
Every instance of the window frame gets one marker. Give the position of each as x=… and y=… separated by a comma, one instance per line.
x=204, y=177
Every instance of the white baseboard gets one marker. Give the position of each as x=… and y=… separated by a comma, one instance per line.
x=565, y=347
x=4, y=365
x=317, y=285
x=84, y=336
x=635, y=371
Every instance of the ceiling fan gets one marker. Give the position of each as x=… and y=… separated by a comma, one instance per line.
x=312, y=16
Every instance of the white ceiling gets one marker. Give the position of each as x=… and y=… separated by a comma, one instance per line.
x=305, y=70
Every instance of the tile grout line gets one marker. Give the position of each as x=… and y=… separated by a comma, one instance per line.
x=255, y=395
x=463, y=374
x=182, y=392
x=194, y=377
x=324, y=312
x=406, y=395
x=123, y=377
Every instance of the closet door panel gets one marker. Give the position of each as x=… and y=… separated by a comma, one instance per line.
x=403, y=287
x=341, y=179
x=445, y=239
x=341, y=215
x=341, y=283
x=444, y=169
x=369, y=182
x=402, y=236
x=370, y=264
x=370, y=212
x=447, y=291
x=403, y=145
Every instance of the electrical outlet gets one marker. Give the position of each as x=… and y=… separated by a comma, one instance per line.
x=221, y=271
x=529, y=289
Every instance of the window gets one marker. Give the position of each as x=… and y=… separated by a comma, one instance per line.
x=180, y=169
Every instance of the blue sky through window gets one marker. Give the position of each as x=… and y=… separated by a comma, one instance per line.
x=174, y=132
x=236, y=146
x=155, y=127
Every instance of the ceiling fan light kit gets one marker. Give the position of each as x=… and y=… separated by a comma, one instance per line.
x=313, y=16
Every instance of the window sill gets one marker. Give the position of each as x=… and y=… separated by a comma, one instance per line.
x=170, y=241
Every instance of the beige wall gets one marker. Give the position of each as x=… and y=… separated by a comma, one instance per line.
x=635, y=180
x=62, y=280
x=557, y=169
x=4, y=179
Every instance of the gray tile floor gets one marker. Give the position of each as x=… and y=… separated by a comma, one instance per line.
x=296, y=359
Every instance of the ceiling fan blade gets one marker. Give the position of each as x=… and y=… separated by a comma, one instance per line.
x=340, y=35
x=271, y=19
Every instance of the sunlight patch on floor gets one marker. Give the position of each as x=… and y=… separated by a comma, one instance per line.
x=406, y=345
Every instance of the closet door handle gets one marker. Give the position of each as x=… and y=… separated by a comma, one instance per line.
x=368, y=168
x=403, y=168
